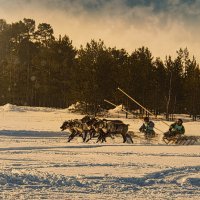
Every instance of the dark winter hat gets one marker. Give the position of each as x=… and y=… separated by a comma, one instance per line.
x=146, y=119
x=180, y=120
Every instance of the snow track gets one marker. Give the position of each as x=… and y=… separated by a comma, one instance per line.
x=166, y=184
x=96, y=171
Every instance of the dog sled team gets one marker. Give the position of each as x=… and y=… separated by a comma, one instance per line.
x=103, y=128
x=91, y=127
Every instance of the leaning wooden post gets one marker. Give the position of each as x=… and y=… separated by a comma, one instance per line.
x=140, y=104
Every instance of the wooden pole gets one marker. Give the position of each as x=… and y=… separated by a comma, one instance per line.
x=140, y=105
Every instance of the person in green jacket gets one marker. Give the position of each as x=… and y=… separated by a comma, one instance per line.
x=176, y=128
x=147, y=128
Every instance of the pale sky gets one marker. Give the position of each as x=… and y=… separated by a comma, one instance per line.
x=164, y=26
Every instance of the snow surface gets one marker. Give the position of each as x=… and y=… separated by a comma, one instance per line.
x=36, y=162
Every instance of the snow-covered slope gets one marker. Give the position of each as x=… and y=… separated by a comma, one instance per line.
x=36, y=162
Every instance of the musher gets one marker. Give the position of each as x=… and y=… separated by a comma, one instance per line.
x=147, y=128
x=176, y=129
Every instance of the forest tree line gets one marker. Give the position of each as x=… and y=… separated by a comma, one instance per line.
x=38, y=69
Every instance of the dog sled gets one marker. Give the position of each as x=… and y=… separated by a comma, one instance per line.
x=180, y=140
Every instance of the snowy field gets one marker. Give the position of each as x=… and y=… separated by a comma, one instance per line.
x=36, y=162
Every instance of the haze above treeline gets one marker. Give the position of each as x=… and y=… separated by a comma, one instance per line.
x=39, y=69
